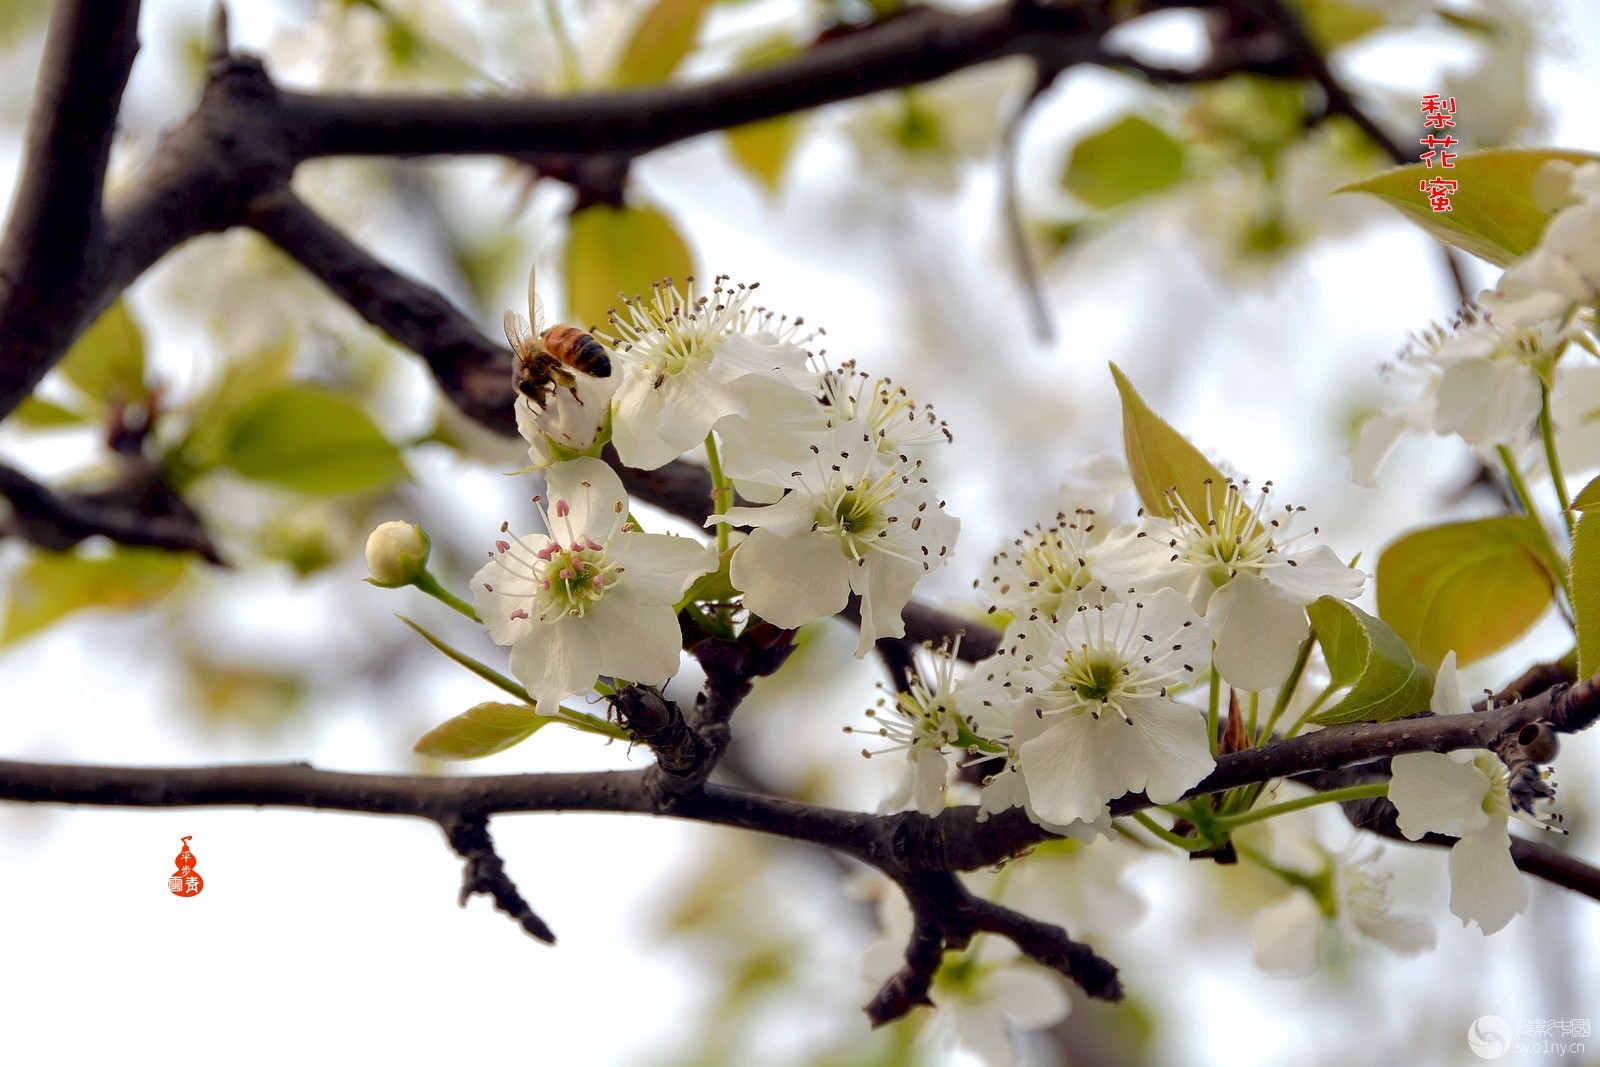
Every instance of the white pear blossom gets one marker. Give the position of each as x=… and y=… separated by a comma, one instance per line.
x=980, y=996
x=572, y=421
x=687, y=362
x=923, y=135
x=850, y=522
x=1466, y=795
x=898, y=424
x=1480, y=380
x=1053, y=570
x=1347, y=897
x=1250, y=580
x=922, y=722
x=1098, y=684
x=594, y=597
x=1562, y=274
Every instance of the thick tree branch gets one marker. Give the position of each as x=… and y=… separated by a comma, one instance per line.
x=916, y=47
x=472, y=370
x=52, y=255
x=144, y=511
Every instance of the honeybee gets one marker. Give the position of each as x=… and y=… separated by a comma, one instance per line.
x=545, y=358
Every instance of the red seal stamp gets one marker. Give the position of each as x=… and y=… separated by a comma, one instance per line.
x=186, y=881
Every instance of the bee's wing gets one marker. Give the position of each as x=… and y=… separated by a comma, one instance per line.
x=518, y=332
x=535, y=307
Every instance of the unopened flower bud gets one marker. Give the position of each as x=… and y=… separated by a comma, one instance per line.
x=397, y=554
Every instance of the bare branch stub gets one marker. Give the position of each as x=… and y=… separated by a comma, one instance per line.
x=485, y=873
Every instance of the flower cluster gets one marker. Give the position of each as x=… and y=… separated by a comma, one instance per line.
x=828, y=455
x=1487, y=376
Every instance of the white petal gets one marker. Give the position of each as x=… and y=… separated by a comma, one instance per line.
x=497, y=593
x=1487, y=401
x=1376, y=440
x=1405, y=934
x=556, y=660
x=792, y=515
x=790, y=581
x=982, y=1031
x=1061, y=768
x=1032, y=998
x=1314, y=574
x=638, y=642
x=1485, y=885
x=1432, y=792
x=659, y=568
x=593, y=494
x=885, y=585
x=1448, y=699
x=1164, y=752
x=1284, y=935
x=1258, y=633
x=639, y=408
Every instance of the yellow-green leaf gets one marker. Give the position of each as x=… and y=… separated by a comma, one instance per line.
x=107, y=362
x=1586, y=591
x=664, y=36
x=1126, y=160
x=1493, y=213
x=45, y=414
x=763, y=148
x=1589, y=498
x=1332, y=23
x=482, y=730
x=1161, y=459
x=312, y=441
x=619, y=250
x=1367, y=655
x=53, y=585
x=1474, y=587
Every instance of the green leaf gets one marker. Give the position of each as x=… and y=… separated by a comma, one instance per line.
x=715, y=586
x=312, y=441
x=1469, y=586
x=1367, y=655
x=1589, y=498
x=107, y=362
x=664, y=36
x=1160, y=458
x=1586, y=591
x=1493, y=213
x=482, y=730
x=763, y=148
x=1126, y=160
x=619, y=250
x=1332, y=23
x=45, y=414
x=52, y=585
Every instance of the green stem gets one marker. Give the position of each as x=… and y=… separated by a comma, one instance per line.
x=721, y=490
x=1187, y=844
x=1519, y=489
x=1228, y=823
x=430, y=585
x=1547, y=433
x=1214, y=708
x=1286, y=690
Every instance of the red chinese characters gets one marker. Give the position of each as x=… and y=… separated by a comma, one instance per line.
x=1438, y=191
x=186, y=881
x=1438, y=114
